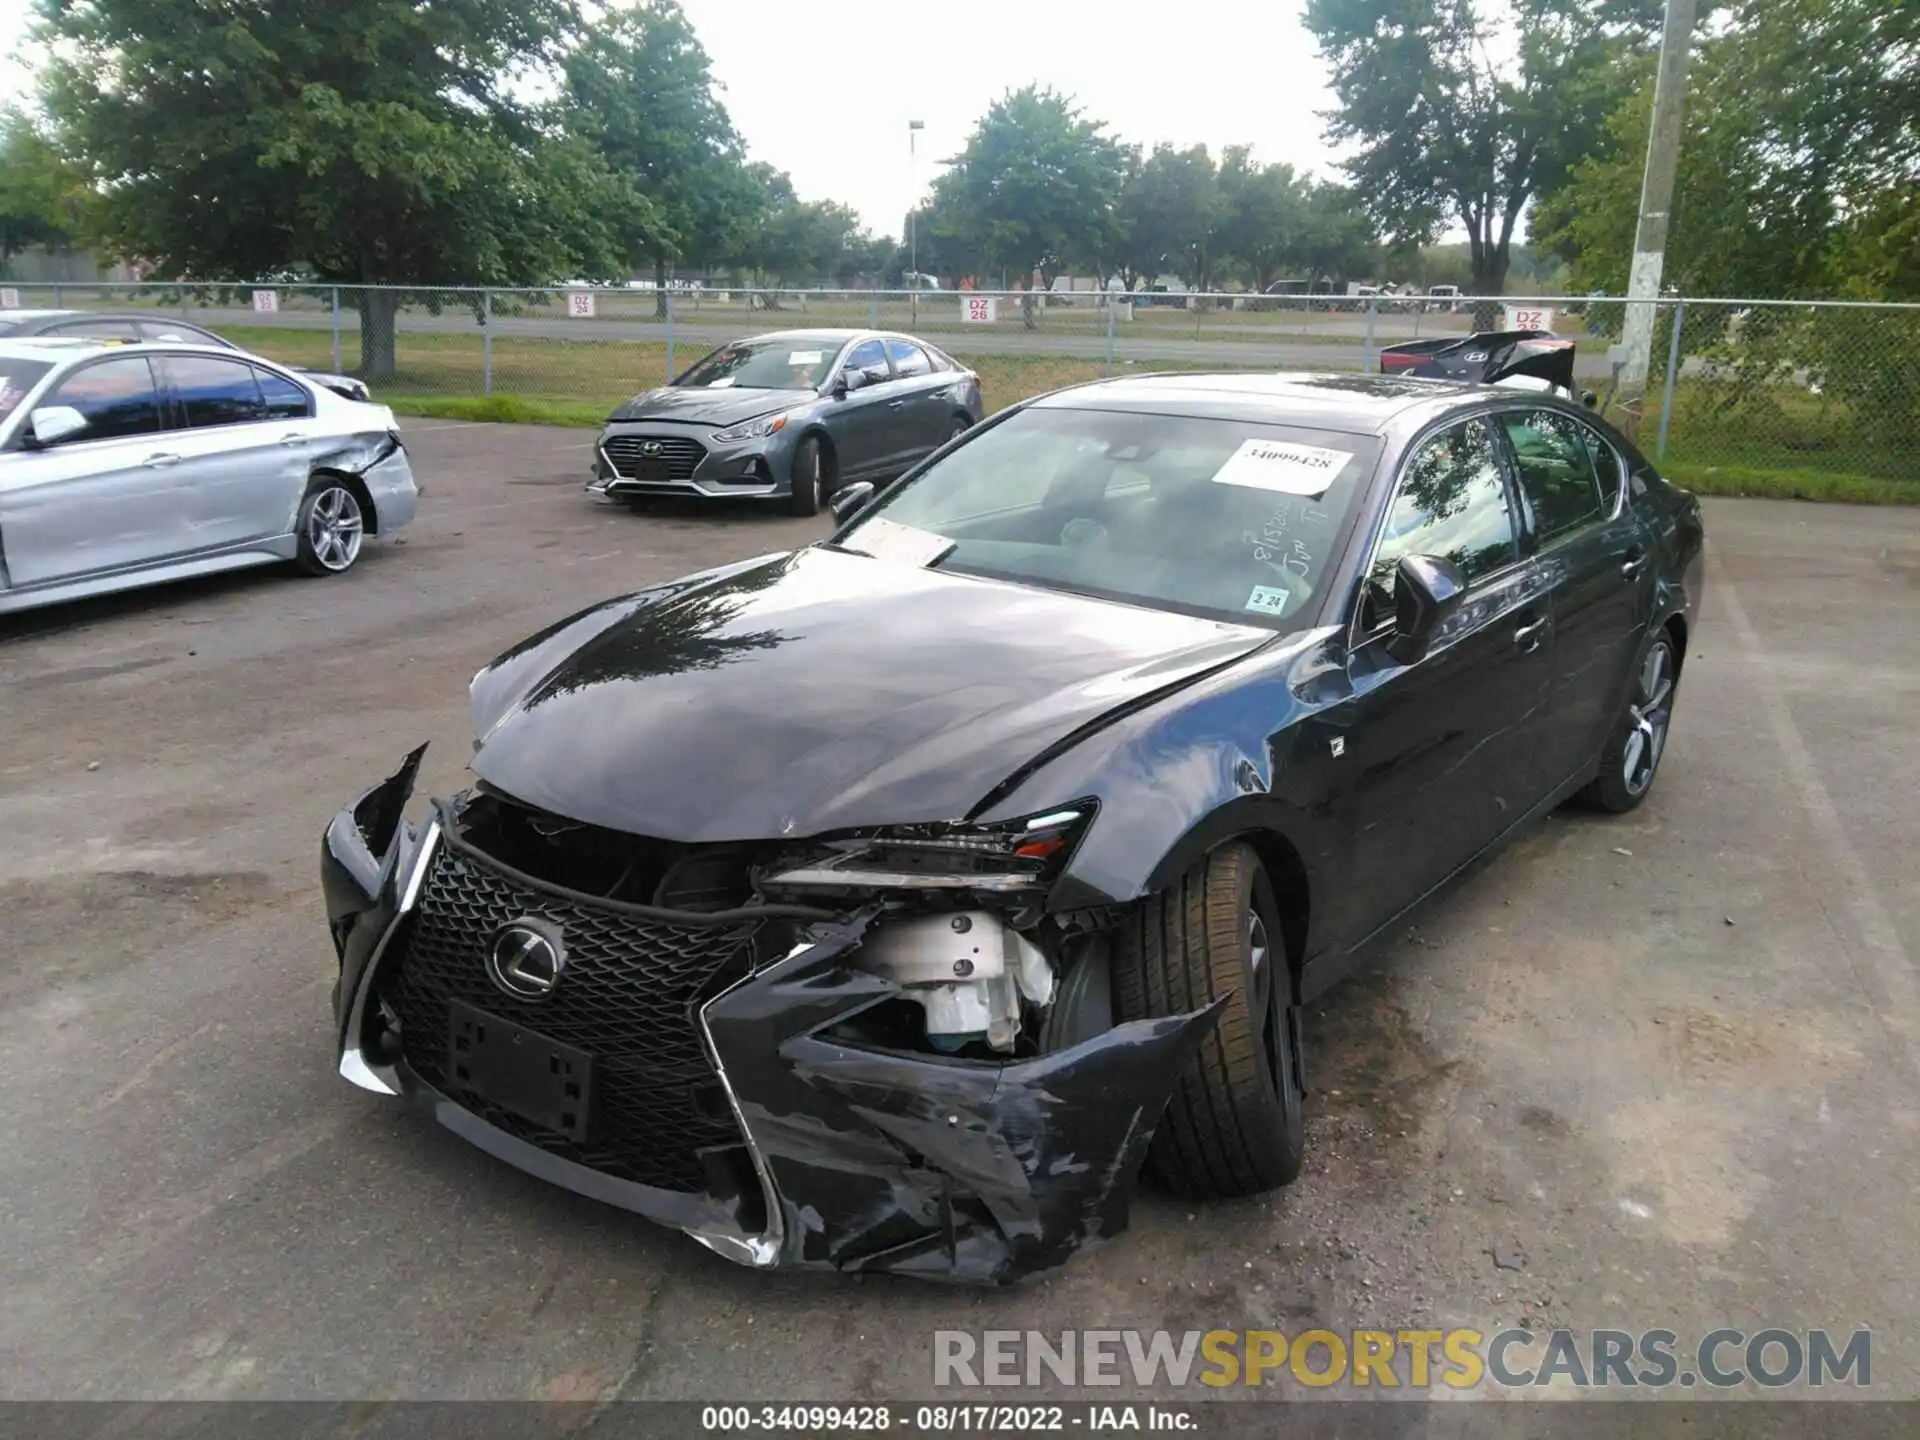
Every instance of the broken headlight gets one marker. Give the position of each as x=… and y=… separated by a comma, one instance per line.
x=1013, y=855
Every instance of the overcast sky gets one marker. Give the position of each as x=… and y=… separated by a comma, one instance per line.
x=826, y=94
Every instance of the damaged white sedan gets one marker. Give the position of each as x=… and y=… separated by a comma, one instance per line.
x=128, y=465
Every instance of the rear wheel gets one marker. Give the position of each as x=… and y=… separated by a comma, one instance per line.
x=808, y=466
x=1234, y=1124
x=956, y=428
x=330, y=528
x=1639, y=739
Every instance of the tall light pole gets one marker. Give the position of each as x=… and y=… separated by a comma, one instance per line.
x=914, y=127
x=1656, y=200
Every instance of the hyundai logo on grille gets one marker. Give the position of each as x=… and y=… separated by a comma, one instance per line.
x=526, y=959
x=650, y=447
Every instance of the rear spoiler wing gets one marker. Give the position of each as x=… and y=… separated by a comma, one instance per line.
x=1486, y=358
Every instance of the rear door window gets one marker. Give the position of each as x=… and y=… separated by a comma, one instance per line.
x=1555, y=463
x=908, y=359
x=212, y=390
x=284, y=400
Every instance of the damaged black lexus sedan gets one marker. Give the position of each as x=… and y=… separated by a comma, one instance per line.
x=887, y=904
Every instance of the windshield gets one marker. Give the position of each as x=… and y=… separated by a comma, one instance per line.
x=791, y=362
x=1223, y=518
x=17, y=378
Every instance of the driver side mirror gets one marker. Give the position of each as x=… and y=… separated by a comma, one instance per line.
x=1426, y=591
x=849, y=500
x=1589, y=399
x=51, y=424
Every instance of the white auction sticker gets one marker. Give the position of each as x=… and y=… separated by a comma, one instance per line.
x=1268, y=599
x=1283, y=467
x=907, y=544
x=804, y=357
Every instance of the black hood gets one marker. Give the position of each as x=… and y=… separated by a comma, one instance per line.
x=822, y=691
x=703, y=405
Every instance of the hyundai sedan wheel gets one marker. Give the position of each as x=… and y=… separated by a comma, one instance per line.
x=332, y=528
x=808, y=464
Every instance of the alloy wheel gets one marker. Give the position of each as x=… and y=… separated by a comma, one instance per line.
x=1650, y=712
x=335, y=528
x=1279, y=1040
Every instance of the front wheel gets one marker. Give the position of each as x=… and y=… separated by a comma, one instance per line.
x=808, y=463
x=1234, y=1124
x=330, y=528
x=1632, y=754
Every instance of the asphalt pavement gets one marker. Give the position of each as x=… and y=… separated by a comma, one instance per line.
x=1657, y=1071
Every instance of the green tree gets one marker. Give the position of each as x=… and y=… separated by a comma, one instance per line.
x=1166, y=210
x=1461, y=113
x=378, y=142
x=640, y=90
x=44, y=198
x=1799, y=165
x=1035, y=187
x=1262, y=217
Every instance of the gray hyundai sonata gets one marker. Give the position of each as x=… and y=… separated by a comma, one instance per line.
x=793, y=415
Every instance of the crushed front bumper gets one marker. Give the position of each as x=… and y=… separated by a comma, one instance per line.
x=864, y=1159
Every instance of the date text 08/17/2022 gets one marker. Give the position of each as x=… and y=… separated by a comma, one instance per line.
x=965, y=1419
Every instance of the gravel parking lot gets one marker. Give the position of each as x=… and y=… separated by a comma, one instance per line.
x=1669, y=1063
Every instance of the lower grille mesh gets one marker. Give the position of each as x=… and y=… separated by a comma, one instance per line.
x=628, y=997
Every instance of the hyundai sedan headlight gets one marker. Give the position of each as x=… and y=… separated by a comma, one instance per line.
x=752, y=430
x=1022, y=854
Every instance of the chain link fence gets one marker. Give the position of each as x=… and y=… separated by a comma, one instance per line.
x=1765, y=385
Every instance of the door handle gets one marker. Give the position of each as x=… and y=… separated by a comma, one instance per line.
x=1527, y=637
x=1633, y=566
x=293, y=439
x=896, y=404
x=160, y=462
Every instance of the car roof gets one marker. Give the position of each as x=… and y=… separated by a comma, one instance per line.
x=1357, y=404
x=818, y=337
x=58, y=348
x=17, y=317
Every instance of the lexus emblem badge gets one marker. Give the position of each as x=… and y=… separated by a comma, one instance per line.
x=526, y=959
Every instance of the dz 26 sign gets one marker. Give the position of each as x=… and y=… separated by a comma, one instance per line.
x=978, y=309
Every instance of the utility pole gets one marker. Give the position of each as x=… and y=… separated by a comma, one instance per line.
x=914, y=127
x=1656, y=200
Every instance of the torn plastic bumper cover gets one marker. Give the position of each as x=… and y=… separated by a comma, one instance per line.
x=861, y=1158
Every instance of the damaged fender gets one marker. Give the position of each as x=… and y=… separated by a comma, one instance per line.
x=947, y=1168
x=866, y=1158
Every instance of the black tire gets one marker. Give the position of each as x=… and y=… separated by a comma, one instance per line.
x=957, y=427
x=330, y=527
x=809, y=477
x=1631, y=758
x=1234, y=1124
